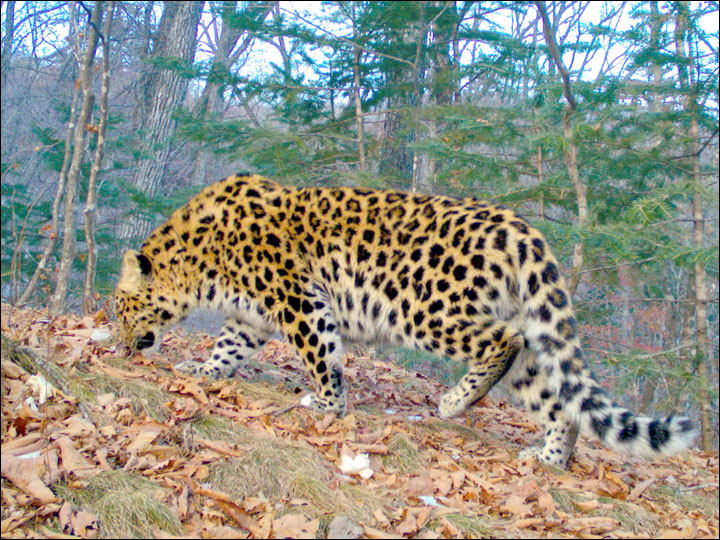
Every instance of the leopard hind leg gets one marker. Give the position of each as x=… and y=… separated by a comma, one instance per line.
x=531, y=386
x=490, y=352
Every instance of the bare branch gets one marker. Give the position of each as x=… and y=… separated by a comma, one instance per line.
x=555, y=53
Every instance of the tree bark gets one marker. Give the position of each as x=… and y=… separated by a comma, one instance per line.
x=358, y=104
x=212, y=100
x=8, y=40
x=55, y=212
x=396, y=159
x=570, y=150
x=68, y=250
x=689, y=90
x=443, y=21
x=91, y=202
x=162, y=94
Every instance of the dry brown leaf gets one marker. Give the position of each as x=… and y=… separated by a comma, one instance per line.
x=295, y=526
x=77, y=426
x=261, y=404
x=18, y=446
x=24, y=473
x=423, y=515
x=188, y=387
x=587, y=506
x=85, y=524
x=141, y=441
x=443, y=486
x=240, y=516
x=641, y=488
x=48, y=533
x=375, y=534
x=527, y=523
x=594, y=525
x=515, y=504
x=546, y=503
x=408, y=525
x=419, y=485
x=458, y=478
x=380, y=517
x=183, y=502
x=451, y=530
x=72, y=460
x=374, y=436
x=371, y=448
x=119, y=373
x=224, y=532
x=64, y=515
x=220, y=446
x=15, y=520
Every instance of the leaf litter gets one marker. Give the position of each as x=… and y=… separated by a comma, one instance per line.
x=96, y=445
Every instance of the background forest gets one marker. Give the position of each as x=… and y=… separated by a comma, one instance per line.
x=597, y=121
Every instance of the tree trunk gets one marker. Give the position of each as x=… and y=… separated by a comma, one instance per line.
x=397, y=160
x=91, y=203
x=689, y=91
x=570, y=147
x=358, y=106
x=443, y=22
x=162, y=94
x=68, y=249
x=8, y=40
x=212, y=100
x=55, y=212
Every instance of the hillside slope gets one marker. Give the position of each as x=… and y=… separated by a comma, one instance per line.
x=98, y=444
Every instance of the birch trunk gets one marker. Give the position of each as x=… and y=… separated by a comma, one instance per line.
x=91, y=202
x=68, y=250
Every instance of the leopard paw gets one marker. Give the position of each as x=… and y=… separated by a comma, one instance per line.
x=199, y=369
x=451, y=405
x=324, y=405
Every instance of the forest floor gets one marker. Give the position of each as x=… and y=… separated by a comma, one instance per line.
x=96, y=444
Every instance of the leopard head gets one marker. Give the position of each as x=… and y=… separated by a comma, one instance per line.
x=145, y=307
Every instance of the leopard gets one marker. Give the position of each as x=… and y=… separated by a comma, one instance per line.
x=460, y=278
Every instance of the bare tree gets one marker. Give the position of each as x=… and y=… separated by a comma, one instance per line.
x=357, y=52
x=7, y=43
x=226, y=54
x=162, y=93
x=689, y=92
x=85, y=60
x=570, y=146
x=91, y=202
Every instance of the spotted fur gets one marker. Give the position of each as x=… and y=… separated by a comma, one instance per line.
x=459, y=278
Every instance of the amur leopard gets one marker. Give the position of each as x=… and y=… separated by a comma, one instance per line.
x=459, y=278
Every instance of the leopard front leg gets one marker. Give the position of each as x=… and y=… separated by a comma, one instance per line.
x=236, y=343
x=490, y=353
x=309, y=325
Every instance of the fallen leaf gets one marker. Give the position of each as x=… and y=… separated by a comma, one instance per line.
x=515, y=504
x=641, y=488
x=295, y=526
x=85, y=524
x=546, y=503
x=408, y=525
x=527, y=523
x=72, y=460
x=24, y=473
x=419, y=485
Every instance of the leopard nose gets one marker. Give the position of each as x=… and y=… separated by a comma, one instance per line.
x=146, y=341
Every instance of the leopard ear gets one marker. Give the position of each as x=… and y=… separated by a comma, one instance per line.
x=145, y=265
x=134, y=266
